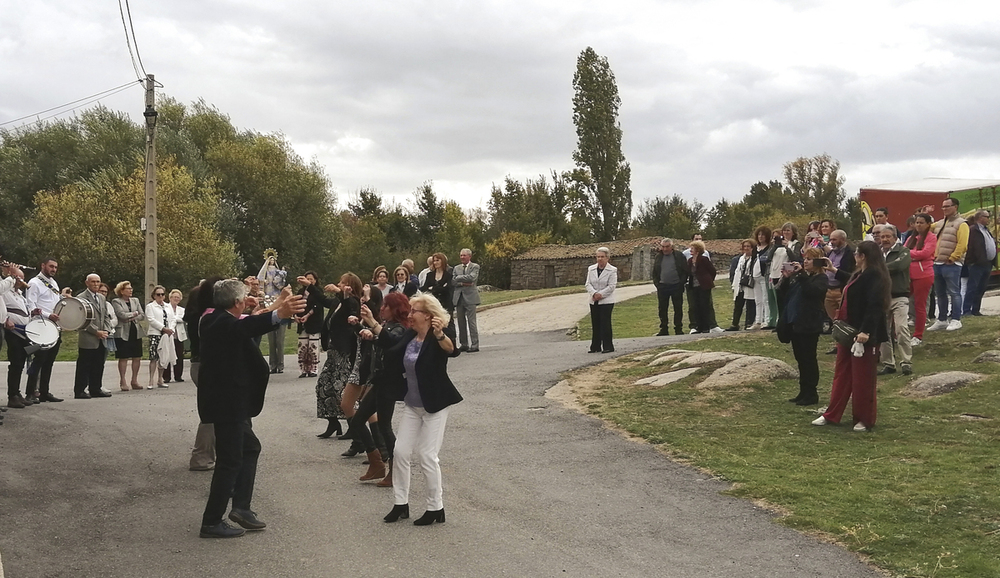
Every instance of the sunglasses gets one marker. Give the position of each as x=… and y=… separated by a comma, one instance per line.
x=158, y=294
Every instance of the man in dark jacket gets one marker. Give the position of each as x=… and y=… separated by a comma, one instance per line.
x=231, y=386
x=980, y=258
x=899, y=348
x=670, y=275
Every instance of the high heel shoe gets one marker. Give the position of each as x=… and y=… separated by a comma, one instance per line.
x=398, y=511
x=430, y=517
x=332, y=428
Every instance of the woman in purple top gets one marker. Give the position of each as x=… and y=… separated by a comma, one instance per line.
x=427, y=394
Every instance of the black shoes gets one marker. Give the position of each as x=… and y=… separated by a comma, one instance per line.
x=472, y=350
x=332, y=428
x=303, y=374
x=662, y=333
x=594, y=351
x=355, y=449
x=430, y=517
x=612, y=350
x=83, y=395
x=247, y=519
x=463, y=348
x=49, y=397
x=398, y=511
x=807, y=401
x=221, y=530
x=907, y=370
x=733, y=328
x=886, y=370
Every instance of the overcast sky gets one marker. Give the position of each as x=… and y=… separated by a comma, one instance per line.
x=716, y=95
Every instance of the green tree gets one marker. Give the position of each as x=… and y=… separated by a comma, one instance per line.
x=602, y=173
x=815, y=185
x=93, y=226
x=669, y=216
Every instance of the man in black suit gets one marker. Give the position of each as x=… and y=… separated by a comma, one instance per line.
x=670, y=274
x=231, y=387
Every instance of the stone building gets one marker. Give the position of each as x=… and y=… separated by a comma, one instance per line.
x=565, y=265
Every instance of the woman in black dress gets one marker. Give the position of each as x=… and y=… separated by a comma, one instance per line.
x=310, y=324
x=438, y=282
x=340, y=340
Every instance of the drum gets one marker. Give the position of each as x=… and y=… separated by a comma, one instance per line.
x=74, y=313
x=42, y=333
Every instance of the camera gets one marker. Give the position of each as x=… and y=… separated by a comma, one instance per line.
x=779, y=239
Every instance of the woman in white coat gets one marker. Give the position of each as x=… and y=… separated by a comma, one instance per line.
x=180, y=336
x=602, y=277
x=742, y=275
x=161, y=320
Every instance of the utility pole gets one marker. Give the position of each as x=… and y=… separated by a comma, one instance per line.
x=150, y=219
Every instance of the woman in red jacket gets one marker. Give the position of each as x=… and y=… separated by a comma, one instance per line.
x=922, y=244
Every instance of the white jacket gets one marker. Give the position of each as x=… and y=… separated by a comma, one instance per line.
x=155, y=314
x=752, y=268
x=603, y=284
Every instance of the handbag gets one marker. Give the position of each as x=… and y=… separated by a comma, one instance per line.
x=844, y=333
x=746, y=281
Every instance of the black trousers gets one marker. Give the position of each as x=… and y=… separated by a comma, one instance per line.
x=804, y=350
x=41, y=370
x=372, y=403
x=751, y=306
x=236, y=453
x=665, y=294
x=701, y=309
x=89, y=370
x=17, y=357
x=600, y=321
x=177, y=366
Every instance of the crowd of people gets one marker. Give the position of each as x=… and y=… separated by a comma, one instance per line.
x=386, y=342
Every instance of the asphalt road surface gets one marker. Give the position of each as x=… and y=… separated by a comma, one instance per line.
x=101, y=488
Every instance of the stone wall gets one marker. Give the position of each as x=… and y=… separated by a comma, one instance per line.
x=531, y=274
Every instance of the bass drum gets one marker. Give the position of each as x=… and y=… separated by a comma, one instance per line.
x=74, y=313
x=42, y=333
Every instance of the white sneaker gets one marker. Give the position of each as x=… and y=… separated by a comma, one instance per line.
x=954, y=325
x=754, y=327
x=716, y=329
x=915, y=342
x=938, y=325
x=859, y=427
x=693, y=331
x=819, y=421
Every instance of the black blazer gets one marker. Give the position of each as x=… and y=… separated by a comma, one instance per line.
x=683, y=270
x=409, y=289
x=233, y=376
x=976, y=253
x=441, y=289
x=384, y=373
x=812, y=292
x=314, y=302
x=865, y=310
x=436, y=389
x=337, y=333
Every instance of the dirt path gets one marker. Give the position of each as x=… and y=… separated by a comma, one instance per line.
x=547, y=313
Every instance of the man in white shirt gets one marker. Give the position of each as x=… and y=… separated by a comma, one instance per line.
x=16, y=317
x=423, y=274
x=42, y=296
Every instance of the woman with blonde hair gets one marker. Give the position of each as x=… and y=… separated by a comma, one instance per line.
x=160, y=317
x=427, y=394
x=128, y=334
x=179, y=337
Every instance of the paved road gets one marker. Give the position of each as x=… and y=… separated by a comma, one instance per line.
x=549, y=313
x=101, y=488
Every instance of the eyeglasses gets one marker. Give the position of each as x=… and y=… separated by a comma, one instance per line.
x=419, y=311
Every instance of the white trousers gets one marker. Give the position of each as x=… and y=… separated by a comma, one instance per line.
x=760, y=300
x=419, y=432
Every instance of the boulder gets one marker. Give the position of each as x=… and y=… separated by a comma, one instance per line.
x=991, y=355
x=748, y=369
x=671, y=356
x=940, y=383
x=707, y=357
x=669, y=377
x=642, y=357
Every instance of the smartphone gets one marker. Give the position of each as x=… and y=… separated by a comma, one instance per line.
x=788, y=266
x=821, y=262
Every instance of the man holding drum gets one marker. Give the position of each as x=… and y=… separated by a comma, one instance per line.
x=13, y=328
x=43, y=295
x=90, y=363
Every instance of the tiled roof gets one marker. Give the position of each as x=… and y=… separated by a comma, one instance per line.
x=620, y=248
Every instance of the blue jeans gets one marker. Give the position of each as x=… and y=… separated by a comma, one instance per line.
x=979, y=276
x=948, y=285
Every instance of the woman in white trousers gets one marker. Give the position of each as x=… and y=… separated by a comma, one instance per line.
x=422, y=355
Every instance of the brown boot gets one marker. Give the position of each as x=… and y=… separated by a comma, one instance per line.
x=386, y=482
x=376, y=467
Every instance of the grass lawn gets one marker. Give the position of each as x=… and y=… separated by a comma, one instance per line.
x=918, y=496
x=638, y=318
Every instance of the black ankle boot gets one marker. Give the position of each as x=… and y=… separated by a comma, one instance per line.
x=398, y=511
x=355, y=449
x=430, y=517
x=333, y=427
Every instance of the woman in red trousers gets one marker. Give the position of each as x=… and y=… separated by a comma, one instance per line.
x=864, y=306
x=922, y=244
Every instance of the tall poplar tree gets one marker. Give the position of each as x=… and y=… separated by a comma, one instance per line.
x=602, y=175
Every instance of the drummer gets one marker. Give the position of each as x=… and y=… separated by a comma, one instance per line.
x=13, y=328
x=43, y=295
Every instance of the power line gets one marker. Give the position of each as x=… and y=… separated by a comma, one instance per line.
x=76, y=103
x=128, y=42
x=134, y=41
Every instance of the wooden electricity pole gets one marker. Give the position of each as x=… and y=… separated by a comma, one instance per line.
x=150, y=219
